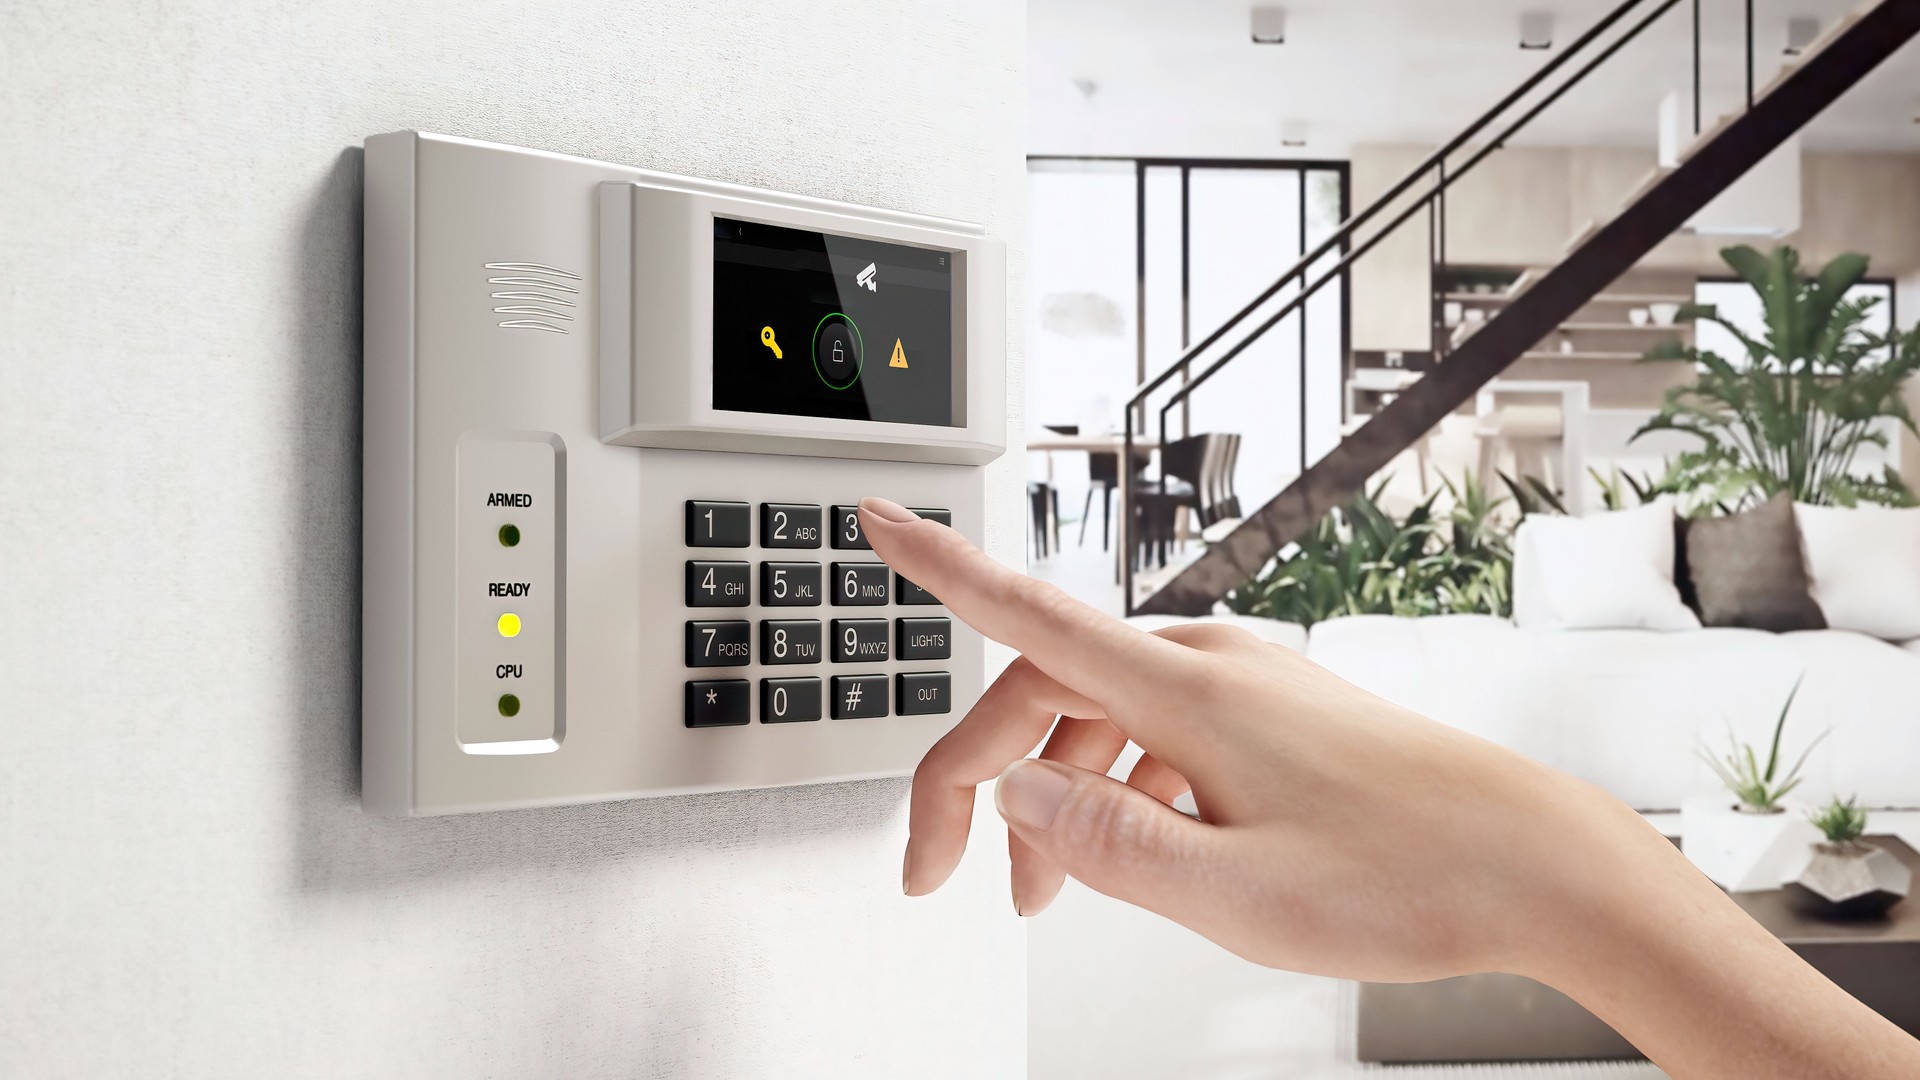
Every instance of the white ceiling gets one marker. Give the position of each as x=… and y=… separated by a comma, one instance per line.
x=1180, y=77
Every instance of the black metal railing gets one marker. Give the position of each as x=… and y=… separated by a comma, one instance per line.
x=1347, y=239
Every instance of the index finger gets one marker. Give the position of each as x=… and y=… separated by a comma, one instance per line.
x=1088, y=652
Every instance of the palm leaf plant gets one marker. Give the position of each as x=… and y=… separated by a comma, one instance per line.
x=1794, y=413
x=1362, y=559
x=1759, y=787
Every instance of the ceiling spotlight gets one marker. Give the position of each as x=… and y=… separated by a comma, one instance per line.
x=1269, y=26
x=1293, y=133
x=1536, y=30
x=1801, y=31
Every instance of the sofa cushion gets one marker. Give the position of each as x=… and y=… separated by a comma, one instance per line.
x=1292, y=635
x=1610, y=570
x=1746, y=570
x=1865, y=568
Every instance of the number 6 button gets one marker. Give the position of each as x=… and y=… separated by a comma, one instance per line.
x=860, y=584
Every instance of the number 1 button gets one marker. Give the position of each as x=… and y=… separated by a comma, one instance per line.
x=719, y=524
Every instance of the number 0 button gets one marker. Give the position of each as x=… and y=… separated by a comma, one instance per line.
x=860, y=584
x=787, y=701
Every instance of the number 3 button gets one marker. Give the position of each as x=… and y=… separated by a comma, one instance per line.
x=846, y=529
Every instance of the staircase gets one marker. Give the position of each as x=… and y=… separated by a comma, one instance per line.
x=1538, y=303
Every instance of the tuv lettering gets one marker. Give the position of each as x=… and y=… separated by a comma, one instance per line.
x=509, y=498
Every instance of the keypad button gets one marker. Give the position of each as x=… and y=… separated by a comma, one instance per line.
x=944, y=517
x=859, y=639
x=859, y=697
x=923, y=639
x=789, y=701
x=719, y=702
x=847, y=534
x=789, y=525
x=719, y=644
x=790, y=641
x=909, y=594
x=719, y=524
x=860, y=583
x=925, y=693
x=789, y=584
x=717, y=584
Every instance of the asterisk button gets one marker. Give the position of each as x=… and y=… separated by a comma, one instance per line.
x=713, y=696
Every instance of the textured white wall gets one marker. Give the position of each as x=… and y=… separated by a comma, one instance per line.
x=187, y=885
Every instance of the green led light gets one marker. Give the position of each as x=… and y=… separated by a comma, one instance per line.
x=509, y=535
x=509, y=705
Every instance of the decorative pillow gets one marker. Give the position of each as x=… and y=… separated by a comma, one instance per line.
x=1746, y=570
x=1605, y=571
x=1864, y=566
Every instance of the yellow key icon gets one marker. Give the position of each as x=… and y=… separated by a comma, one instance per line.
x=766, y=338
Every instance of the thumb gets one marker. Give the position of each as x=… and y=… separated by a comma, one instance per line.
x=1113, y=838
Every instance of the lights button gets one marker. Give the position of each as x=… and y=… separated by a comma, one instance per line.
x=508, y=625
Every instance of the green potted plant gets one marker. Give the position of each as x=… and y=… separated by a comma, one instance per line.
x=1843, y=876
x=1793, y=413
x=1752, y=842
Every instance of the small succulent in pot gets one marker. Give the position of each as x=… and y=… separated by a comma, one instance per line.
x=1845, y=877
x=1759, y=788
x=1843, y=823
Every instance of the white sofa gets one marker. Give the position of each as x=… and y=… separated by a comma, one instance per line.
x=1624, y=708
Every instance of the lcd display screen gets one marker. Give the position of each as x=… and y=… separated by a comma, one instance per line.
x=813, y=324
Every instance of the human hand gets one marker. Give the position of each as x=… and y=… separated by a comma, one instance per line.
x=1339, y=834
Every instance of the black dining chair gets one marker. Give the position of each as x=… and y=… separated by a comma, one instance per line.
x=1196, y=473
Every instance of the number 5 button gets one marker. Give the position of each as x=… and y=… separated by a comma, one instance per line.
x=790, y=584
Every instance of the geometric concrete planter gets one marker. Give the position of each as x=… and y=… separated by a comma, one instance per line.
x=1848, y=881
x=1744, y=852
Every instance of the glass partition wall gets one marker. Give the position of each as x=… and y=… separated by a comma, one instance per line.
x=1133, y=261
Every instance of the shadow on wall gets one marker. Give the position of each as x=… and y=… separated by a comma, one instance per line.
x=337, y=845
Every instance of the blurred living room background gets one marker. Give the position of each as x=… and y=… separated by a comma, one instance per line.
x=1541, y=366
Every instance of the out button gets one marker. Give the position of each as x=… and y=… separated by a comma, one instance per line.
x=924, y=693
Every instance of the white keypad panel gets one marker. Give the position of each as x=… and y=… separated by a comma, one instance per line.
x=834, y=634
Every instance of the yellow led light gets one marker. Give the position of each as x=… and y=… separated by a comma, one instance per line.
x=509, y=625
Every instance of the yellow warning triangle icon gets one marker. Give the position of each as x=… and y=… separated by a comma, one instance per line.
x=899, y=355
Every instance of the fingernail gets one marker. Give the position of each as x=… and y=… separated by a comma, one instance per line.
x=1030, y=793
x=906, y=870
x=891, y=511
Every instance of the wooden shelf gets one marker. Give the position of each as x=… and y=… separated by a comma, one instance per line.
x=1635, y=299
x=1554, y=354
x=1641, y=298
x=1670, y=328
